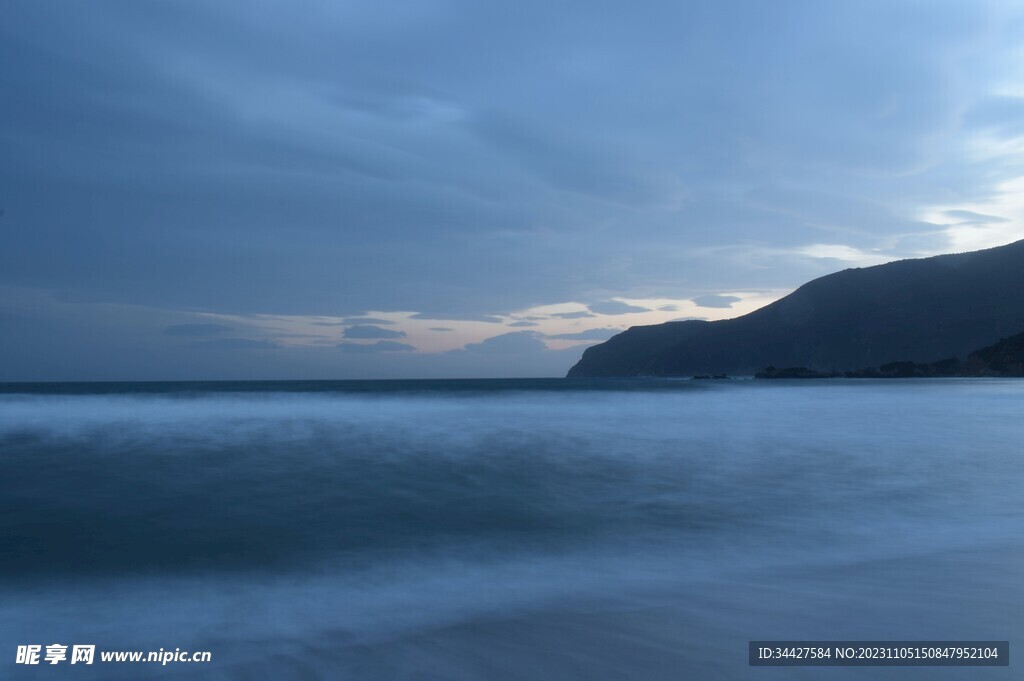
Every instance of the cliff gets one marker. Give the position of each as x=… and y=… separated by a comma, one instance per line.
x=922, y=311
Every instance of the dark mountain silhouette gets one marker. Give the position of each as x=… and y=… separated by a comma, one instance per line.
x=922, y=311
x=1005, y=358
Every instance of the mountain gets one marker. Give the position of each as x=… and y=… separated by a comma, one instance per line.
x=1005, y=358
x=920, y=310
x=944, y=368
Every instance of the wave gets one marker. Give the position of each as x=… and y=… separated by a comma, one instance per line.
x=322, y=533
x=158, y=483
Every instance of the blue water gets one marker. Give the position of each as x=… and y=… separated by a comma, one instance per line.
x=477, y=530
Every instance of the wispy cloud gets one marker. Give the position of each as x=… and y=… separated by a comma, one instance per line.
x=379, y=346
x=234, y=344
x=589, y=334
x=197, y=330
x=684, y=151
x=579, y=314
x=846, y=254
x=370, y=331
x=615, y=307
x=367, y=320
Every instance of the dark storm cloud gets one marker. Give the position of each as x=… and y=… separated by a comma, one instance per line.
x=372, y=332
x=615, y=307
x=715, y=301
x=466, y=161
x=196, y=330
x=379, y=346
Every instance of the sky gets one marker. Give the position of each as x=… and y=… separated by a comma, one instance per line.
x=439, y=188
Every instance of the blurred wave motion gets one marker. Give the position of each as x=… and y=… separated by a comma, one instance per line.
x=545, y=529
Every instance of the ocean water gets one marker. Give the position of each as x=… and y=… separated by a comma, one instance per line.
x=491, y=530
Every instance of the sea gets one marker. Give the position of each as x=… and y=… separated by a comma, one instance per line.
x=488, y=530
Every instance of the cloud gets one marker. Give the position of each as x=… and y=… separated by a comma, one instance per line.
x=515, y=343
x=421, y=159
x=313, y=164
x=522, y=324
x=615, y=307
x=457, y=317
x=668, y=308
x=441, y=328
x=367, y=320
x=234, y=344
x=715, y=301
x=379, y=346
x=589, y=334
x=572, y=315
x=568, y=161
x=974, y=218
x=196, y=330
x=844, y=253
x=368, y=331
